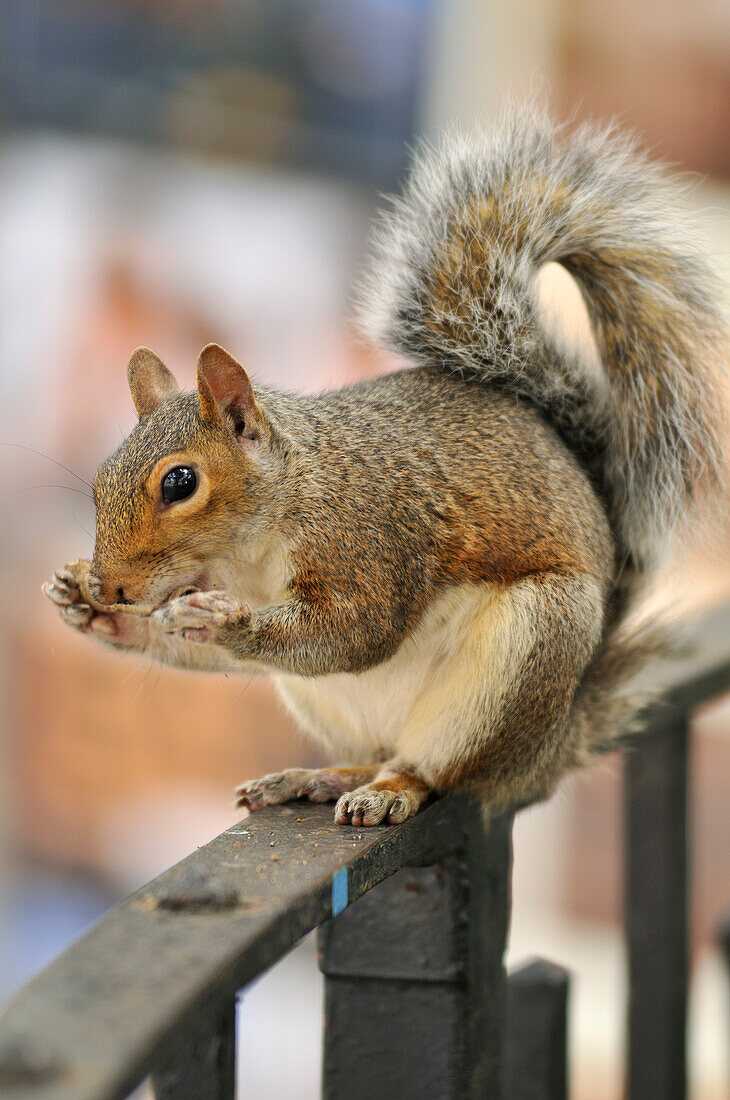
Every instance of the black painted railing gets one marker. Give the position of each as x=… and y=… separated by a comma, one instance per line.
x=416, y=997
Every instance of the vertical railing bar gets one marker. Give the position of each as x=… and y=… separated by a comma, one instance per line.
x=414, y=977
x=202, y=1063
x=488, y=866
x=394, y=996
x=536, y=1047
x=723, y=939
x=656, y=908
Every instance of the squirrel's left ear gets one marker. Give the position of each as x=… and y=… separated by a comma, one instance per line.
x=150, y=381
x=225, y=388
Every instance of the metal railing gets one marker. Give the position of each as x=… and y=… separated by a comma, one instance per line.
x=416, y=997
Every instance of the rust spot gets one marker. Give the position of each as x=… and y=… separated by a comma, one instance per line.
x=197, y=901
x=25, y=1062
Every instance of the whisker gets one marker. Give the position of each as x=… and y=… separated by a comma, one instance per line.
x=156, y=684
x=69, y=488
x=81, y=526
x=150, y=666
x=136, y=668
x=33, y=450
x=245, y=687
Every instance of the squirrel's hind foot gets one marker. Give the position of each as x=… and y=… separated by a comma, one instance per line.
x=362, y=798
x=387, y=801
x=314, y=784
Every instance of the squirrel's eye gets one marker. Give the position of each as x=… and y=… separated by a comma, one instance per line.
x=178, y=484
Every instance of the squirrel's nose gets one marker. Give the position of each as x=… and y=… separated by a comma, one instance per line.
x=112, y=593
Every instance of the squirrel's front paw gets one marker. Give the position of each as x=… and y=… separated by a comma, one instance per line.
x=63, y=591
x=200, y=616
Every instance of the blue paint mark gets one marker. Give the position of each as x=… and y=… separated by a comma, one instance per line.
x=339, y=891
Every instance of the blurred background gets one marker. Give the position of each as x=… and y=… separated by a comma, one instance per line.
x=179, y=171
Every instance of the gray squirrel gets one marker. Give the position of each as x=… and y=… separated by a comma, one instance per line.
x=436, y=566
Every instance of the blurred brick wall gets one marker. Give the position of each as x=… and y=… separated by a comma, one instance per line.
x=108, y=733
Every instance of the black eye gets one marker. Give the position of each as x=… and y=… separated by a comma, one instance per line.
x=178, y=484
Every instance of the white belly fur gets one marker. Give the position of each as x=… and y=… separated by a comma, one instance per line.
x=359, y=717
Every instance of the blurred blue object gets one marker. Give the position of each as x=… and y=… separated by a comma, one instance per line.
x=43, y=912
x=327, y=84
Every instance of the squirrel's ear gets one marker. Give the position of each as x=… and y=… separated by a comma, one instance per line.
x=225, y=388
x=150, y=381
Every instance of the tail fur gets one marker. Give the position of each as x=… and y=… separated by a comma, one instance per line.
x=609, y=703
x=453, y=282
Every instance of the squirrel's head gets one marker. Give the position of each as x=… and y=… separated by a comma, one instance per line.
x=187, y=483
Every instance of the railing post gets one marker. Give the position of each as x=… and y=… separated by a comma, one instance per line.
x=536, y=1049
x=202, y=1063
x=723, y=934
x=656, y=908
x=488, y=867
x=414, y=977
x=723, y=938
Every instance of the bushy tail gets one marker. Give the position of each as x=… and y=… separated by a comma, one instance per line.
x=611, y=699
x=452, y=282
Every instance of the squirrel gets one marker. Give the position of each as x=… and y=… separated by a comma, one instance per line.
x=437, y=565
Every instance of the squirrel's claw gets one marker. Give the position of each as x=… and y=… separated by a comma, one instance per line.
x=77, y=615
x=273, y=789
x=198, y=616
x=62, y=589
x=370, y=806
